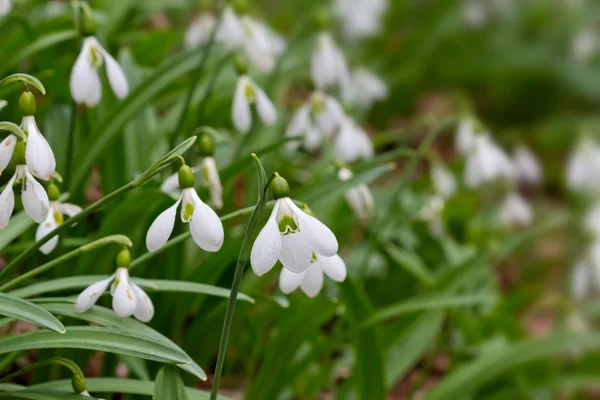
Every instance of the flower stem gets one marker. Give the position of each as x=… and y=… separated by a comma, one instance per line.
x=237, y=279
x=72, y=124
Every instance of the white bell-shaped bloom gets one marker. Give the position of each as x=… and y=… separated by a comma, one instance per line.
x=291, y=236
x=359, y=197
x=487, y=162
x=476, y=13
x=205, y=226
x=316, y=119
x=583, y=167
x=515, y=211
x=527, y=167
x=585, y=276
x=38, y=154
x=465, y=136
x=352, y=143
x=230, y=31
x=85, y=82
x=328, y=64
x=364, y=88
x=360, y=18
x=128, y=298
x=55, y=218
x=7, y=147
x=443, y=180
x=34, y=197
x=311, y=279
x=247, y=93
x=5, y=7
x=585, y=45
x=200, y=30
x=432, y=212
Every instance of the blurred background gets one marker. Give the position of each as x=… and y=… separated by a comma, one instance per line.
x=451, y=294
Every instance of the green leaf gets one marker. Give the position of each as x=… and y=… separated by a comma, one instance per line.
x=176, y=152
x=118, y=385
x=14, y=307
x=154, y=285
x=42, y=43
x=168, y=385
x=41, y=395
x=25, y=78
x=492, y=364
x=98, y=339
x=122, y=112
x=411, y=262
x=369, y=358
x=14, y=129
x=18, y=224
x=137, y=366
x=106, y=317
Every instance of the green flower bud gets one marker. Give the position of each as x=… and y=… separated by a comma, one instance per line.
x=78, y=384
x=53, y=192
x=27, y=103
x=240, y=63
x=18, y=157
x=186, y=177
x=207, y=145
x=123, y=259
x=323, y=18
x=240, y=6
x=280, y=188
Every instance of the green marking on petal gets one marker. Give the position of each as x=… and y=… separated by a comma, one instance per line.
x=287, y=225
x=188, y=211
x=58, y=217
x=249, y=92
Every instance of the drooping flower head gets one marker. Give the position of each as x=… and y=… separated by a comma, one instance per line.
x=352, y=142
x=442, y=179
x=464, y=140
x=527, y=167
x=199, y=31
x=85, y=84
x=311, y=280
x=487, y=162
x=363, y=89
x=55, y=218
x=515, y=211
x=583, y=166
x=585, y=275
x=360, y=18
x=128, y=298
x=359, y=197
x=205, y=226
x=290, y=236
x=328, y=66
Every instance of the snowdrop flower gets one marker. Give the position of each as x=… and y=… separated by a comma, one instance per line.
x=317, y=119
x=443, y=180
x=290, y=236
x=230, y=31
x=527, y=166
x=585, y=45
x=583, y=166
x=465, y=136
x=360, y=18
x=364, y=88
x=205, y=226
x=328, y=64
x=5, y=7
x=433, y=213
x=311, y=280
x=352, y=143
x=85, y=80
x=55, y=218
x=585, y=277
x=200, y=30
x=486, y=162
x=34, y=197
x=248, y=93
x=359, y=198
x=476, y=13
x=128, y=298
x=515, y=211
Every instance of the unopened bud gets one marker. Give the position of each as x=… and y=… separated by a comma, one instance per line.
x=280, y=187
x=123, y=259
x=186, y=177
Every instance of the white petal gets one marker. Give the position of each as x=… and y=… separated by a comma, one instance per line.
x=319, y=236
x=124, y=300
x=70, y=209
x=116, y=76
x=264, y=107
x=230, y=30
x=241, y=115
x=7, y=203
x=290, y=281
x=189, y=199
x=334, y=267
x=313, y=281
x=296, y=252
x=170, y=184
x=6, y=151
x=298, y=125
x=267, y=246
x=38, y=154
x=161, y=228
x=91, y=294
x=206, y=228
x=35, y=200
x=85, y=82
x=579, y=281
x=43, y=229
x=211, y=174
x=145, y=309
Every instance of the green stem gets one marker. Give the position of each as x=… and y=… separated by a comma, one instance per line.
x=78, y=217
x=206, y=50
x=72, y=124
x=120, y=239
x=235, y=286
x=210, y=86
x=64, y=362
